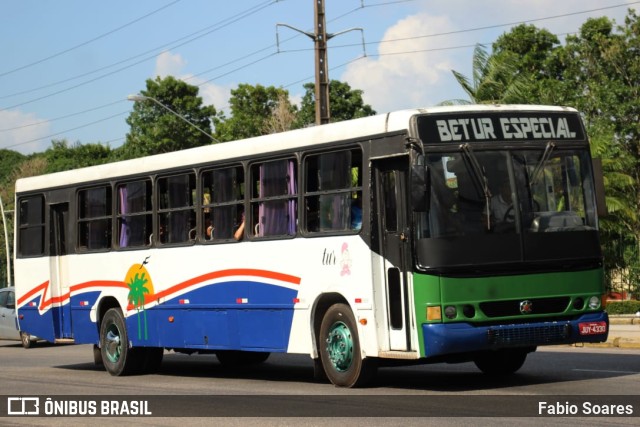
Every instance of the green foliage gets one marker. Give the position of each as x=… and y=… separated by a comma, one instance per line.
x=155, y=130
x=623, y=307
x=251, y=109
x=344, y=104
x=62, y=156
x=9, y=160
x=597, y=72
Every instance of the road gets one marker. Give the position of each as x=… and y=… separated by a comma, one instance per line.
x=49, y=370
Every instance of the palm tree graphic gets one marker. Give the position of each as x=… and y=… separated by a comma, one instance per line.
x=137, y=289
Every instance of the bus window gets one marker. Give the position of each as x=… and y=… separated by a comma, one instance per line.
x=333, y=191
x=176, y=210
x=273, y=204
x=31, y=238
x=223, y=197
x=134, y=214
x=94, y=218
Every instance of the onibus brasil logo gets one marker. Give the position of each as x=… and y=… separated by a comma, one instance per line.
x=139, y=282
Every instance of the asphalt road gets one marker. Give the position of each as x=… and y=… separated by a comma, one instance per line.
x=284, y=386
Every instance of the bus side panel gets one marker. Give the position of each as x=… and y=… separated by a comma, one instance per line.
x=41, y=325
x=245, y=315
x=84, y=329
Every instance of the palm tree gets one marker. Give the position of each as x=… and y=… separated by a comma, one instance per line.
x=137, y=289
x=495, y=80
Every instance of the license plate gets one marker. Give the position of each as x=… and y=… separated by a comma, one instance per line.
x=592, y=328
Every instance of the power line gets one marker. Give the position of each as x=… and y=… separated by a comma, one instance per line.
x=68, y=130
x=333, y=68
x=101, y=36
x=218, y=26
x=63, y=117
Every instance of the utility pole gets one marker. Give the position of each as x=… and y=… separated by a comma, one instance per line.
x=322, y=70
x=320, y=38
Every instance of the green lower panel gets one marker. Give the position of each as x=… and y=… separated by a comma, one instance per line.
x=499, y=298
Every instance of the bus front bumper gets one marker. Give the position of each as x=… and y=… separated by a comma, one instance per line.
x=452, y=338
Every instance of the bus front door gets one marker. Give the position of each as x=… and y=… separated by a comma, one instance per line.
x=58, y=269
x=391, y=208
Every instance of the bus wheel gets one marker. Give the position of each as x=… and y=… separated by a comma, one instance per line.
x=234, y=358
x=501, y=362
x=340, y=349
x=25, y=338
x=117, y=357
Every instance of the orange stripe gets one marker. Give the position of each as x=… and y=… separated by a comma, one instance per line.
x=180, y=286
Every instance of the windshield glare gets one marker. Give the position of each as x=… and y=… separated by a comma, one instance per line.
x=544, y=190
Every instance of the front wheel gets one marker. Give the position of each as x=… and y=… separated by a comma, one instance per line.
x=117, y=357
x=340, y=349
x=501, y=362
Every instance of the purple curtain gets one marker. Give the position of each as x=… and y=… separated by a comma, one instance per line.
x=124, y=227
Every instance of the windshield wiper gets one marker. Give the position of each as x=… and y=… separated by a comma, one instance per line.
x=481, y=179
x=543, y=160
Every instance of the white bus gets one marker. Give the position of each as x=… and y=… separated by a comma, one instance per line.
x=357, y=243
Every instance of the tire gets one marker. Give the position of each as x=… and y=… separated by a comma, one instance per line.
x=97, y=356
x=25, y=338
x=501, y=362
x=236, y=358
x=340, y=349
x=117, y=357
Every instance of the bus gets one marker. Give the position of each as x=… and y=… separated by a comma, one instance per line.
x=445, y=234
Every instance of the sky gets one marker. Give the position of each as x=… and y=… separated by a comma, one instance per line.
x=67, y=66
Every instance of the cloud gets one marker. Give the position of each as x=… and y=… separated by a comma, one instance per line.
x=410, y=70
x=169, y=64
x=173, y=64
x=19, y=133
x=407, y=70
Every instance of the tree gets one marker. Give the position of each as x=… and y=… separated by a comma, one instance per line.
x=344, y=104
x=156, y=130
x=495, y=80
x=603, y=76
x=62, y=156
x=251, y=109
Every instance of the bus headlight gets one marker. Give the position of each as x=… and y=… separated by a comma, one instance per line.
x=594, y=302
x=450, y=312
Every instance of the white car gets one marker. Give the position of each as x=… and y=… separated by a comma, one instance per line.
x=8, y=323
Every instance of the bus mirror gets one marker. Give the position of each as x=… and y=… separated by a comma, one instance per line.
x=598, y=178
x=420, y=188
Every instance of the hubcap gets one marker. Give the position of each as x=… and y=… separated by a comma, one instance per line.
x=113, y=345
x=340, y=346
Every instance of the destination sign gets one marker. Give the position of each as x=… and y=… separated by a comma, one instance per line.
x=507, y=127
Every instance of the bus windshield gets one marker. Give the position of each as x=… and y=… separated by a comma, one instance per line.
x=496, y=206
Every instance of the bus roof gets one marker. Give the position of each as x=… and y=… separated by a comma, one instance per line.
x=315, y=135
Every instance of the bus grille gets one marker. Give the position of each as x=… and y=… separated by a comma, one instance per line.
x=512, y=307
x=518, y=335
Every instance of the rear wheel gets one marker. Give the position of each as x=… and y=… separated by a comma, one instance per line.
x=25, y=338
x=501, y=362
x=117, y=357
x=340, y=349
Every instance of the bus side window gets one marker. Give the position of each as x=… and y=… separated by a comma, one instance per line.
x=94, y=218
x=134, y=214
x=333, y=192
x=274, y=202
x=176, y=213
x=222, y=215
x=31, y=227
